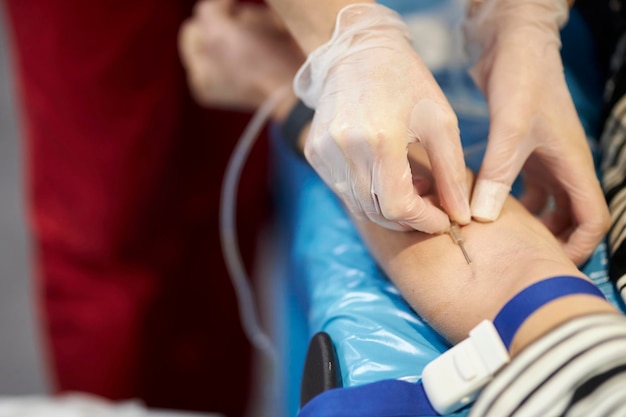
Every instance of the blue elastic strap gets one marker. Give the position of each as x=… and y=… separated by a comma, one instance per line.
x=394, y=398
x=530, y=299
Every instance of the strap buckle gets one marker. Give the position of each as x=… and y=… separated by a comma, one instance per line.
x=455, y=378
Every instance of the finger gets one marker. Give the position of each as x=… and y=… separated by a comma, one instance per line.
x=436, y=126
x=504, y=158
x=583, y=241
x=259, y=17
x=341, y=156
x=189, y=41
x=589, y=212
x=332, y=153
x=278, y=23
x=214, y=18
x=368, y=180
x=399, y=202
x=393, y=189
x=328, y=161
x=211, y=9
x=200, y=73
x=592, y=217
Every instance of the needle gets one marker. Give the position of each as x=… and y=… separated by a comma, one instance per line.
x=455, y=234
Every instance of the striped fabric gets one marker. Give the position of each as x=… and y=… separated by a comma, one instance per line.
x=613, y=167
x=614, y=183
x=576, y=370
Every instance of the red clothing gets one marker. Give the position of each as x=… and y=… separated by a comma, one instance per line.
x=124, y=174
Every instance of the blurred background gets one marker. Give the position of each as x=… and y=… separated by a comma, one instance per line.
x=22, y=365
x=21, y=369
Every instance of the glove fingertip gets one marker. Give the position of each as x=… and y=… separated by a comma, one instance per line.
x=463, y=217
x=488, y=199
x=460, y=211
x=437, y=223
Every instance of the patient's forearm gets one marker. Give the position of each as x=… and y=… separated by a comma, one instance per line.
x=507, y=256
x=432, y=274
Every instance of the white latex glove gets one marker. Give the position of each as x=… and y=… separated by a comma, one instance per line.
x=534, y=124
x=373, y=97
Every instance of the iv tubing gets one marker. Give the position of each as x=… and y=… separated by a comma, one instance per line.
x=228, y=228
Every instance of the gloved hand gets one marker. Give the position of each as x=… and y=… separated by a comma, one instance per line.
x=534, y=124
x=373, y=97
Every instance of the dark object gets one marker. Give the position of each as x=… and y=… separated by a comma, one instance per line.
x=299, y=116
x=321, y=368
x=607, y=21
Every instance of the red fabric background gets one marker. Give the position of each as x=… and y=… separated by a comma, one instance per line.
x=124, y=173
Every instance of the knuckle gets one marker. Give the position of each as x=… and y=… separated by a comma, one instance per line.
x=449, y=121
x=402, y=212
x=309, y=146
x=513, y=131
x=441, y=118
x=213, y=40
x=603, y=222
x=396, y=226
x=591, y=232
x=393, y=212
x=313, y=147
x=347, y=137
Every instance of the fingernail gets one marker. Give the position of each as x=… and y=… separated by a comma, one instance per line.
x=488, y=199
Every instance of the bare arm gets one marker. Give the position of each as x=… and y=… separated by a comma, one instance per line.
x=310, y=22
x=507, y=255
x=430, y=271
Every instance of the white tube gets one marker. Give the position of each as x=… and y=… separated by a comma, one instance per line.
x=228, y=229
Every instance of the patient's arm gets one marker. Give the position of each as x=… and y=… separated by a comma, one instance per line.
x=507, y=256
x=430, y=271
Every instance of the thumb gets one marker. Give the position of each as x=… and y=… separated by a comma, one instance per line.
x=436, y=127
x=504, y=159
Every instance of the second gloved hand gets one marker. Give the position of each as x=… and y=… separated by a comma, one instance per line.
x=534, y=123
x=373, y=97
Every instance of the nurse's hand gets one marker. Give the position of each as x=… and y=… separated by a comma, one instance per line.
x=236, y=55
x=534, y=124
x=373, y=97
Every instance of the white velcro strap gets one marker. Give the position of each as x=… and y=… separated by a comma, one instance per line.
x=455, y=378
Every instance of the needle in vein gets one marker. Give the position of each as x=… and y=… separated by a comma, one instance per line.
x=455, y=234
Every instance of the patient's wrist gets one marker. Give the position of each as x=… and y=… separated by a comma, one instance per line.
x=282, y=109
x=545, y=305
x=554, y=314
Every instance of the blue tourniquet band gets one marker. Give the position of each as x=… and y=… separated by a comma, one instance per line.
x=530, y=299
x=394, y=398
x=386, y=398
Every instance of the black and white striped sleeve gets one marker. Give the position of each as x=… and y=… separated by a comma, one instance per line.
x=613, y=143
x=576, y=370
